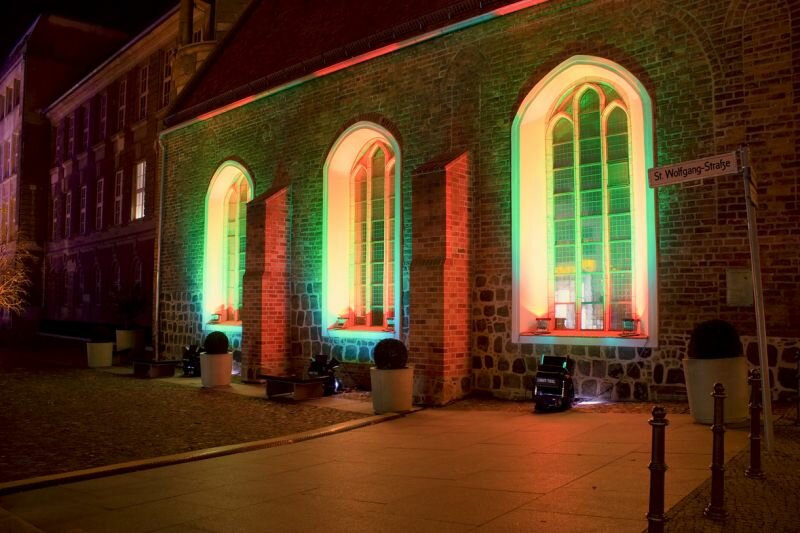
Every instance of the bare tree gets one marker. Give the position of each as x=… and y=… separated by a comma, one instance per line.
x=15, y=278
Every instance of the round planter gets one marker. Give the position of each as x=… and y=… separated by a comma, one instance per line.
x=99, y=354
x=215, y=369
x=392, y=390
x=702, y=374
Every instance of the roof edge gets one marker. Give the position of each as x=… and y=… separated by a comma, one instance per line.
x=127, y=46
x=390, y=40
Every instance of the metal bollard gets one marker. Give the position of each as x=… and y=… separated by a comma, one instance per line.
x=754, y=470
x=716, y=508
x=655, y=513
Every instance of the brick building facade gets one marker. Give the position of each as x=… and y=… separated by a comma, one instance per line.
x=469, y=103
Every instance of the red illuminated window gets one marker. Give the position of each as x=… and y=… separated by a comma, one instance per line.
x=372, y=238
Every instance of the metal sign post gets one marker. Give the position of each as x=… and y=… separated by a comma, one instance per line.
x=721, y=165
x=751, y=198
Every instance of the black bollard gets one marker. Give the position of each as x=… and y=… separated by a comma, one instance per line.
x=716, y=508
x=754, y=470
x=655, y=514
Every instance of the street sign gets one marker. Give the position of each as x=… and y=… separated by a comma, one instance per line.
x=718, y=165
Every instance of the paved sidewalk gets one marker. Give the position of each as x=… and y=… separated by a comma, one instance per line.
x=435, y=470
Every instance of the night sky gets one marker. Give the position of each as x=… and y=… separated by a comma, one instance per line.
x=128, y=15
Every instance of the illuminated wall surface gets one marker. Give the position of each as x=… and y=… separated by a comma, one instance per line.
x=561, y=113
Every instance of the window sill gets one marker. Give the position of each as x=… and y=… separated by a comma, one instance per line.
x=230, y=326
x=360, y=333
x=571, y=338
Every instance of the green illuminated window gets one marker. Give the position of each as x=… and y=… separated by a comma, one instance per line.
x=372, y=238
x=225, y=249
x=589, y=196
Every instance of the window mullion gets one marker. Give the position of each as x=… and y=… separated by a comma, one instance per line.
x=606, y=224
x=576, y=147
x=387, y=243
x=368, y=248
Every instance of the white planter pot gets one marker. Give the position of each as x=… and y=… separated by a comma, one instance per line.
x=99, y=354
x=215, y=369
x=392, y=390
x=702, y=374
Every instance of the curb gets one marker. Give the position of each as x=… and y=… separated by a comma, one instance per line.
x=39, y=482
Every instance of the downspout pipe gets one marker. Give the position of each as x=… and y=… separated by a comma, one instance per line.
x=157, y=272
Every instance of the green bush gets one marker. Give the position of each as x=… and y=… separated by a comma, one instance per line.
x=715, y=339
x=216, y=342
x=390, y=354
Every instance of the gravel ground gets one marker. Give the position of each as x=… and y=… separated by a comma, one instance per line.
x=59, y=420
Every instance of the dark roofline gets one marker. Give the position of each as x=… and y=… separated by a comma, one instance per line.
x=194, y=80
x=437, y=19
x=129, y=44
x=18, y=50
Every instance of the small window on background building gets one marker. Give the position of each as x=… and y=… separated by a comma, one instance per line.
x=69, y=288
x=71, y=136
x=59, y=142
x=117, y=279
x=17, y=92
x=82, y=213
x=54, y=229
x=139, y=190
x=7, y=160
x=137, y=273
x=166, y=84
x=68, y=215
x=98, y=285
x=118, y=180
x=86, y=120
x=122, y=106
x=102, y=119
x=9, y=100
x=15, y=153
x=144, y=75
x=98, y=209
x=2, y=106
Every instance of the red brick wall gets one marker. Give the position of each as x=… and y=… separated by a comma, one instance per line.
x=439, y=333
x=265, y=322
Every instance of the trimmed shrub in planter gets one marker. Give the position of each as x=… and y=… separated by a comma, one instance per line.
x=217, y=363
x=390, y=354
x=715, y=356
x=391, y=381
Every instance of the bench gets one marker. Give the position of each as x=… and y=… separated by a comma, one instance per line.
x=302, y=387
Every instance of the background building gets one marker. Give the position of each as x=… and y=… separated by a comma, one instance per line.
x=48, y=58
x=103, y=198
x=449, y=172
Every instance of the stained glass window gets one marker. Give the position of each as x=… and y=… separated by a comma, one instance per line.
x=589, y=191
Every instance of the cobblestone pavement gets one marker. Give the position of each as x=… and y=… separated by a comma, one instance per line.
x=59, y=420
x=766, y=505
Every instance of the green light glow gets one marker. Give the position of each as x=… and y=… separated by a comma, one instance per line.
x=547, y=225
x=351, y=286
x=230, y=188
